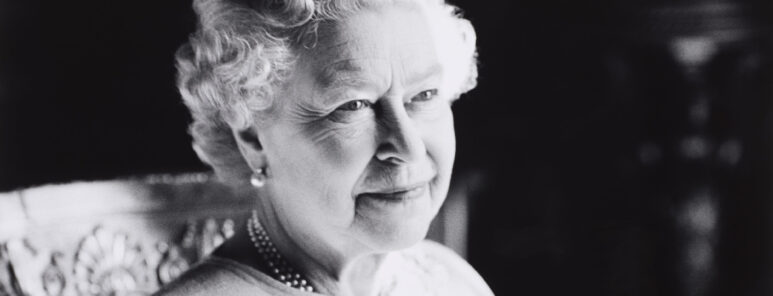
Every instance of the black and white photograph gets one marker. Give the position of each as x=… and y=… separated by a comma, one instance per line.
x=386, y=147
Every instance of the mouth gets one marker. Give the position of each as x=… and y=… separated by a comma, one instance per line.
x=398, y=194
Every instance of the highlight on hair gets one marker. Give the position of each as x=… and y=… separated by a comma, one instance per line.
x=241, y=52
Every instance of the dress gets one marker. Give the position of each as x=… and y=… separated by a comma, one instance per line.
x=425, y=269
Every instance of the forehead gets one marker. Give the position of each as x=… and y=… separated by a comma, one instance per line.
x=374, y=37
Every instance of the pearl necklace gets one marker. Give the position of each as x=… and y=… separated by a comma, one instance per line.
x=279, y=267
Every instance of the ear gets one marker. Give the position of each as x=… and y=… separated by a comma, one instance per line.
x=250, y=147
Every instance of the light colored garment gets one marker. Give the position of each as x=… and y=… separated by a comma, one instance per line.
x=425, y=269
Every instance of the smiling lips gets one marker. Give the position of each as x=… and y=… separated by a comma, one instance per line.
x=399, y=193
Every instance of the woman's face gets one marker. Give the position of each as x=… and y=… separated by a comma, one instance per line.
x=360, y=143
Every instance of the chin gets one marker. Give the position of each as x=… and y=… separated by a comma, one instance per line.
x=401, y=235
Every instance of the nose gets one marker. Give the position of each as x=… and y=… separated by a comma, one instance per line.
x=400, y=139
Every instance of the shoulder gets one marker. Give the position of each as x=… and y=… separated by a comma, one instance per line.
x=215, y=276
x=446, y=268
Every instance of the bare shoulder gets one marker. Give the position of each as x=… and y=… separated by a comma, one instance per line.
x=448, y=269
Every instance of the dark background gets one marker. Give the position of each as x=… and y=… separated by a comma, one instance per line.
x=87, y=92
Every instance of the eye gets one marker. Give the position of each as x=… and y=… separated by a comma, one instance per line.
x=425, y=95
x=354, y=105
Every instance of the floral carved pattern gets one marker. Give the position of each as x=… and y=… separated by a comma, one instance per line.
x=172, y=265
x=53, y=278
x=25, y=267
x=110, y=263
x=5, y=272
x=197, y=242
x=107, y=262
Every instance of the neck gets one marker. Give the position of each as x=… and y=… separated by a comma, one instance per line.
x=329, y=272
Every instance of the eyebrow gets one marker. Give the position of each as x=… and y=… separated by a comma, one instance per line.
x=339, y=74
x=345, y=73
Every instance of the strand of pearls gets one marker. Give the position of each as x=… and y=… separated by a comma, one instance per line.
x=279, y=268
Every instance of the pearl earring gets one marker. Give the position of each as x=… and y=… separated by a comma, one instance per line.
x=258, y=178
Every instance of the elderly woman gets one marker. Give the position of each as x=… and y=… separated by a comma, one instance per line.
x=338, y=113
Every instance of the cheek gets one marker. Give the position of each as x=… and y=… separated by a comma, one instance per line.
x=346, y=149
x=317, y=172
x=440, y=140
x=332, y=161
